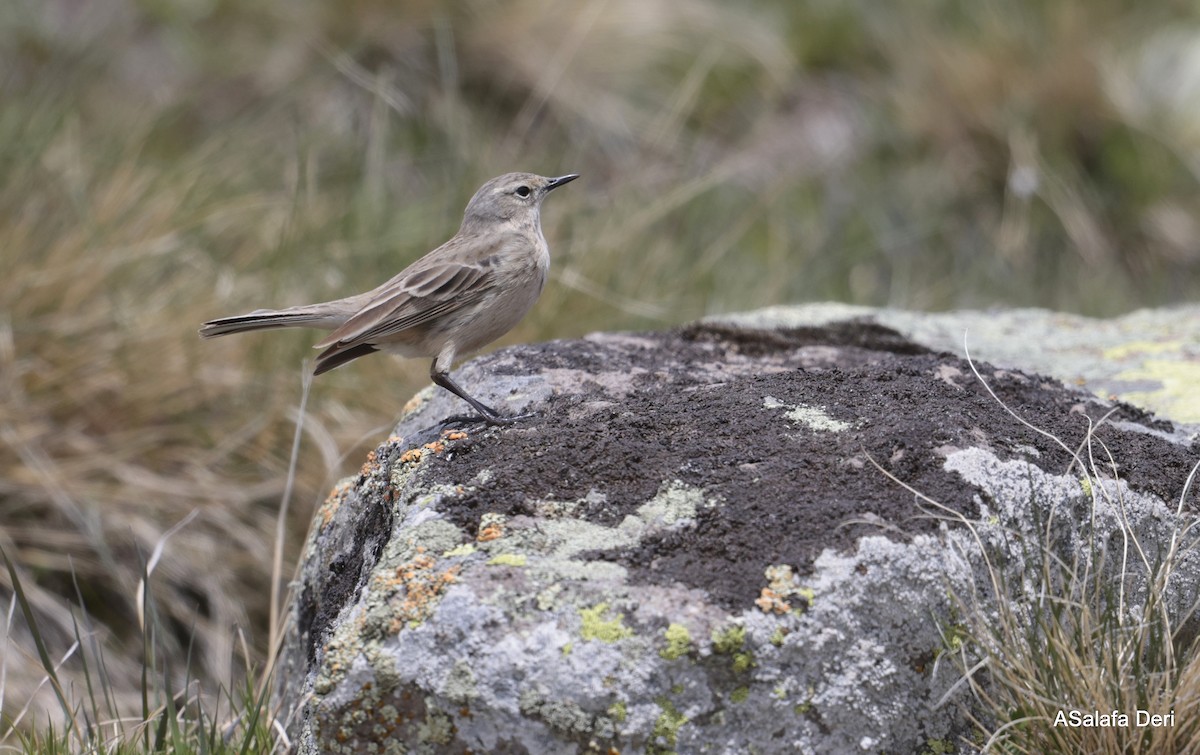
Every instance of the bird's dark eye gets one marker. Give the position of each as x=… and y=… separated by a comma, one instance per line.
x=523, y=191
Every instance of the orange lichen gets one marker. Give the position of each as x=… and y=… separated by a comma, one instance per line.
x=491, y=527
x=489, y=532
x=413, y=403
x=371, y=465
x=771, y=601
x=417, y=585
x=328, y=510
x=332, y=501
x=453, y=434
x=412, y=454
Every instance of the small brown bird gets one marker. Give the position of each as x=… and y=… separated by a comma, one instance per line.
x=458, y=298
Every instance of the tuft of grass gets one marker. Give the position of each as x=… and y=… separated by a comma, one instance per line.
x=1094, y=631
x=1087, y=644
x=173, y=714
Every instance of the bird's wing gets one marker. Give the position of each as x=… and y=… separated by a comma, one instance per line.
x=416, y=296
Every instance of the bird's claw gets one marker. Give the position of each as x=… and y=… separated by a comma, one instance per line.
x=496, y=420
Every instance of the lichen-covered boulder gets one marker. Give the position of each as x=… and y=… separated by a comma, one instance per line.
x=702, y=542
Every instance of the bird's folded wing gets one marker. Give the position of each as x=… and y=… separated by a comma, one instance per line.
x=413, y=299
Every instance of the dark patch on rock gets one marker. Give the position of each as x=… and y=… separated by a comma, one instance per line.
x=699, y=413
x=350, y=552
x=862, y=333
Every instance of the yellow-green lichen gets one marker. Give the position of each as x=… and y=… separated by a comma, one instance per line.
x=679, y=642
x=1138, y=349
x=1176, y=396
x=618, y=712
x=507, y=559
x=739, y=695
x=729, y=640
x=567, y=648
x=463, y=549
x=597, y=627
x=668, y=724
x=777, y=636
x=742, y=662
x=954, y=636
x=938, y=747
x=807, y=705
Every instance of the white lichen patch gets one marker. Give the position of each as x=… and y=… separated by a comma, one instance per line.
x=550, y=508
x=435, y=493
x=674, y=505
x=812, y=417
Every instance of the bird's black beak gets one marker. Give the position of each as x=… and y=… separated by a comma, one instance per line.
x=556, y=182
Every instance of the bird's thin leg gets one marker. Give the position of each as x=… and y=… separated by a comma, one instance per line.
x=486, y=413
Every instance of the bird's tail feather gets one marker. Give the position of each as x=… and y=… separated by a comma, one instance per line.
x=265, y=319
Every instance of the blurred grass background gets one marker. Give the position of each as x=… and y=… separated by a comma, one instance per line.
x=163, y=162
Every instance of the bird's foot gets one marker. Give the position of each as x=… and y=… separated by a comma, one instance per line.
x=495, y=420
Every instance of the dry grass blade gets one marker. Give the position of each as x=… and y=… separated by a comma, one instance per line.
x=1058, y=635
x=276, y=623
x=43, y=654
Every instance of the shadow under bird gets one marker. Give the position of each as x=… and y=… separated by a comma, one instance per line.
x=458, y=298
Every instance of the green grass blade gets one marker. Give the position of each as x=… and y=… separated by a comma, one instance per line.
x=43, y=653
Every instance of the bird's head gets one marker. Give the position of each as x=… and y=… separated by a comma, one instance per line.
x=513, y=195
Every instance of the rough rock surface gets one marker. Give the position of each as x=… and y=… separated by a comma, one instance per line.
x=702, y=542
x=1150, y=358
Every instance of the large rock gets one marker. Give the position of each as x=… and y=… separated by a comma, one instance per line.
x=691, y=547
